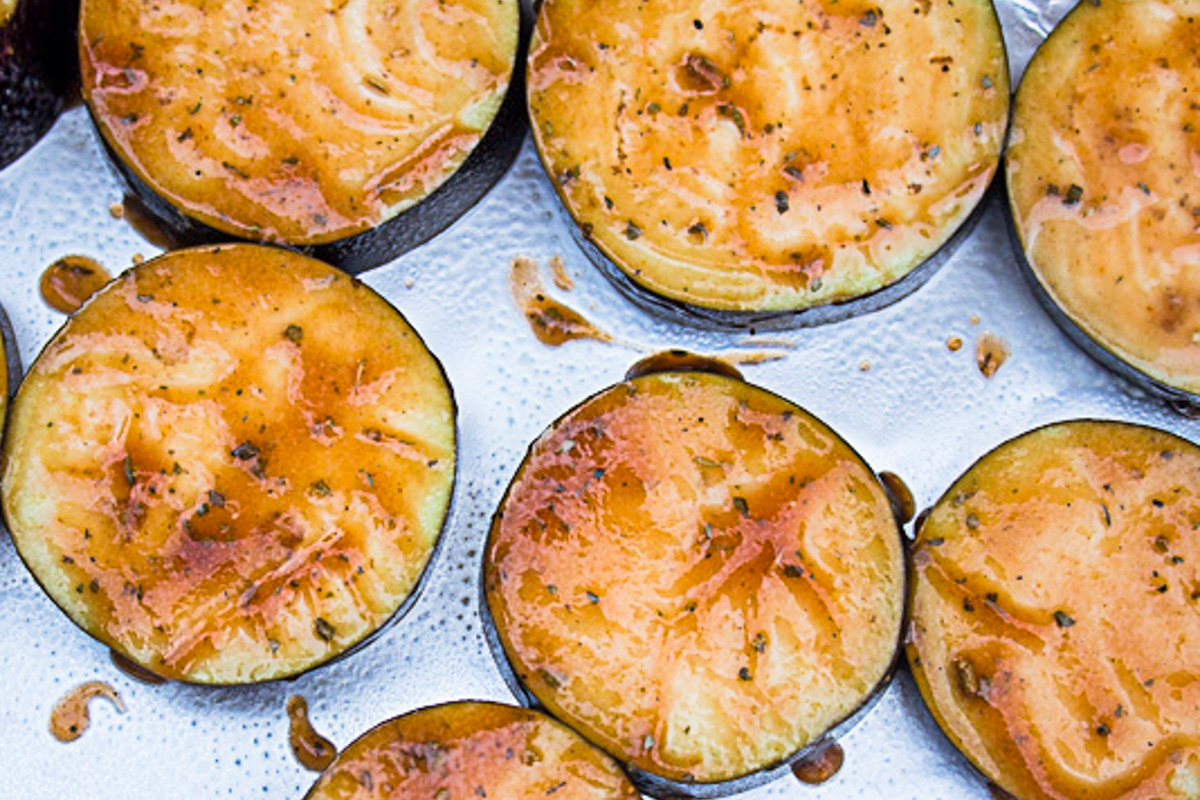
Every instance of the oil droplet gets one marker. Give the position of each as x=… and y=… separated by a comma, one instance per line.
x=551, y=322
x=561, y=278
x=820, y=765
x=70, y=281
x=900, y=496
x=760, y=357
x=681, y=361
x=135, y=671
x=990, y=354
x=954, y=344
x=70, y=717
x=311, y=749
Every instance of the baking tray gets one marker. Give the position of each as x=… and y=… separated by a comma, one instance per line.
x=887, y=381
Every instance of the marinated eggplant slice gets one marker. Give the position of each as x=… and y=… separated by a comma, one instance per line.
x=231, y=465
x=1103, y=177
x=37, y=69
x=1055, y=605
x=766, y=156
x=699, y=577
x=352, y=130
x=468, y=750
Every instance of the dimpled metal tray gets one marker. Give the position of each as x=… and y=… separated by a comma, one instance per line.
x=887, y=381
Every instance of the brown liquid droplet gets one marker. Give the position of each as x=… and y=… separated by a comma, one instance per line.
x=760, y=357
x=820, y=765
x=551, y=322
x=69, y=282
x=135, y=671
x=148, y=226
x=990, y=354
x=561, y=278
x=682, y=361
x=903, y=505
x=312, y=750
x=70, y=717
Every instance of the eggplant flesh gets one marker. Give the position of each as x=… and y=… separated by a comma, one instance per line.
x=708, y=185
x=470, y=749
x=232, y=465
x=363, y=137
x=1053, y=602
x=37, y=70
x=1103, y=181
x=665, y=572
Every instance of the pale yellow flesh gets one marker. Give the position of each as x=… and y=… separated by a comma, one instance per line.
x=1056, y=614
x=677, y=133
x=133, y=498
x=469, y=750
x=696, y=575
x=1111, y=113
x=301, y=121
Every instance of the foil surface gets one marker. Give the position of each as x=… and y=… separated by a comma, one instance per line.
x=888, y=382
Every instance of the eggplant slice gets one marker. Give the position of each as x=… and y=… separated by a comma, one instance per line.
x=699, y=577
x=231, y=465
x=37, y=70
x=1103, y=177
x=353, y=131
x=747, y=161
x=468, y=750
x=1055, y=604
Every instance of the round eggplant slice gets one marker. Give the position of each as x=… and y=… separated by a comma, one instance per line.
x=231, y=465
x=699, y=577
x=1103, y=177
x=37, y=69
x=751, y=160
x=1055, y=613
x=353, y=130
x=469, y=750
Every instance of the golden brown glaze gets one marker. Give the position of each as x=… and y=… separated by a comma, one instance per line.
x=68, y=282
x=1103, y=176
x=310, y=748
x=231, y=465
x=695, y=574
x=1056, y=614
x=771, y=154
x=70, y=716
x=469, y=750
x=299, y=121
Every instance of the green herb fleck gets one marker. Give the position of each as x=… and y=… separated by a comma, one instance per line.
x=127, y=465
x=781, y=201
x=632, y=231
x=1063, y=619
x=1074, y=195
x=324, y=630
x=742, y=506
x=744, y=674
x=760, y=642
x=593, y=598
x=321, y=488
x=244, y=451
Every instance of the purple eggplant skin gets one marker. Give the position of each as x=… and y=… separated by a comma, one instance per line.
x=1183, y=402
x=482, y=169
x=38, y=71
x=656, y=785
x=719, y=320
